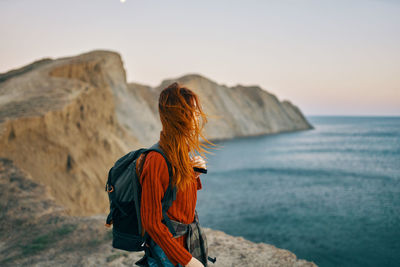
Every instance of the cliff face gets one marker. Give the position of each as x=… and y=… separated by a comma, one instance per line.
x=58, y=122
x=234, y=111
x=66, y=121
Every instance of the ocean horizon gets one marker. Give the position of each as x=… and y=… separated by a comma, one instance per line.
x=329, y=195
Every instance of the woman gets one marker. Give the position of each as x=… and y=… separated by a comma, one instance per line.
x=182, y=120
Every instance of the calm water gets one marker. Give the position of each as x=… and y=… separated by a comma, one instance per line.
x=330, y=195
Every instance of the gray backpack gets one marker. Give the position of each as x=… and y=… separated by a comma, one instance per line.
x=124, y=193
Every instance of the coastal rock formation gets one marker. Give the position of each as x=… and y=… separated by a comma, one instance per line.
x=66, y=121
x=35, y=231
x=58, y=122
x=233, y=111
x=241, y=110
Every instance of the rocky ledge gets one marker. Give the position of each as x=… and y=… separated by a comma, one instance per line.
x=35, y=231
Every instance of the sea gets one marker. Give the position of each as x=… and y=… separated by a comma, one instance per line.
x=330, y=195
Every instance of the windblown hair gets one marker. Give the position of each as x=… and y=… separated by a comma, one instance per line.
x=180, y=137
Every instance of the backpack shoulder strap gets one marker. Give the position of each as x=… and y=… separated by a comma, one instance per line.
x=156, y=147
x=170, y=193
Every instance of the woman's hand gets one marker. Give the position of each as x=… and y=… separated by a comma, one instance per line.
x=199, y=162
x=194, y=263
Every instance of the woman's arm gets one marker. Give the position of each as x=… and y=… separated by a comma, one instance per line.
x=155, y=179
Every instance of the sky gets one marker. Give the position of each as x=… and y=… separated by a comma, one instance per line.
x=327, y=57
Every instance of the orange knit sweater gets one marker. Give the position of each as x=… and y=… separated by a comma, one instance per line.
x=154, y=179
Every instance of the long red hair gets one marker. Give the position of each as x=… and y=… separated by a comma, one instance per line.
x=183, y=121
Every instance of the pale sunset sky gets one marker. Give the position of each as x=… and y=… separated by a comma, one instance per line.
x=327, y=57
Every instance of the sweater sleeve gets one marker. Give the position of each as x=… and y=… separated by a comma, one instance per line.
x=155, y=179
x=198, y=182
